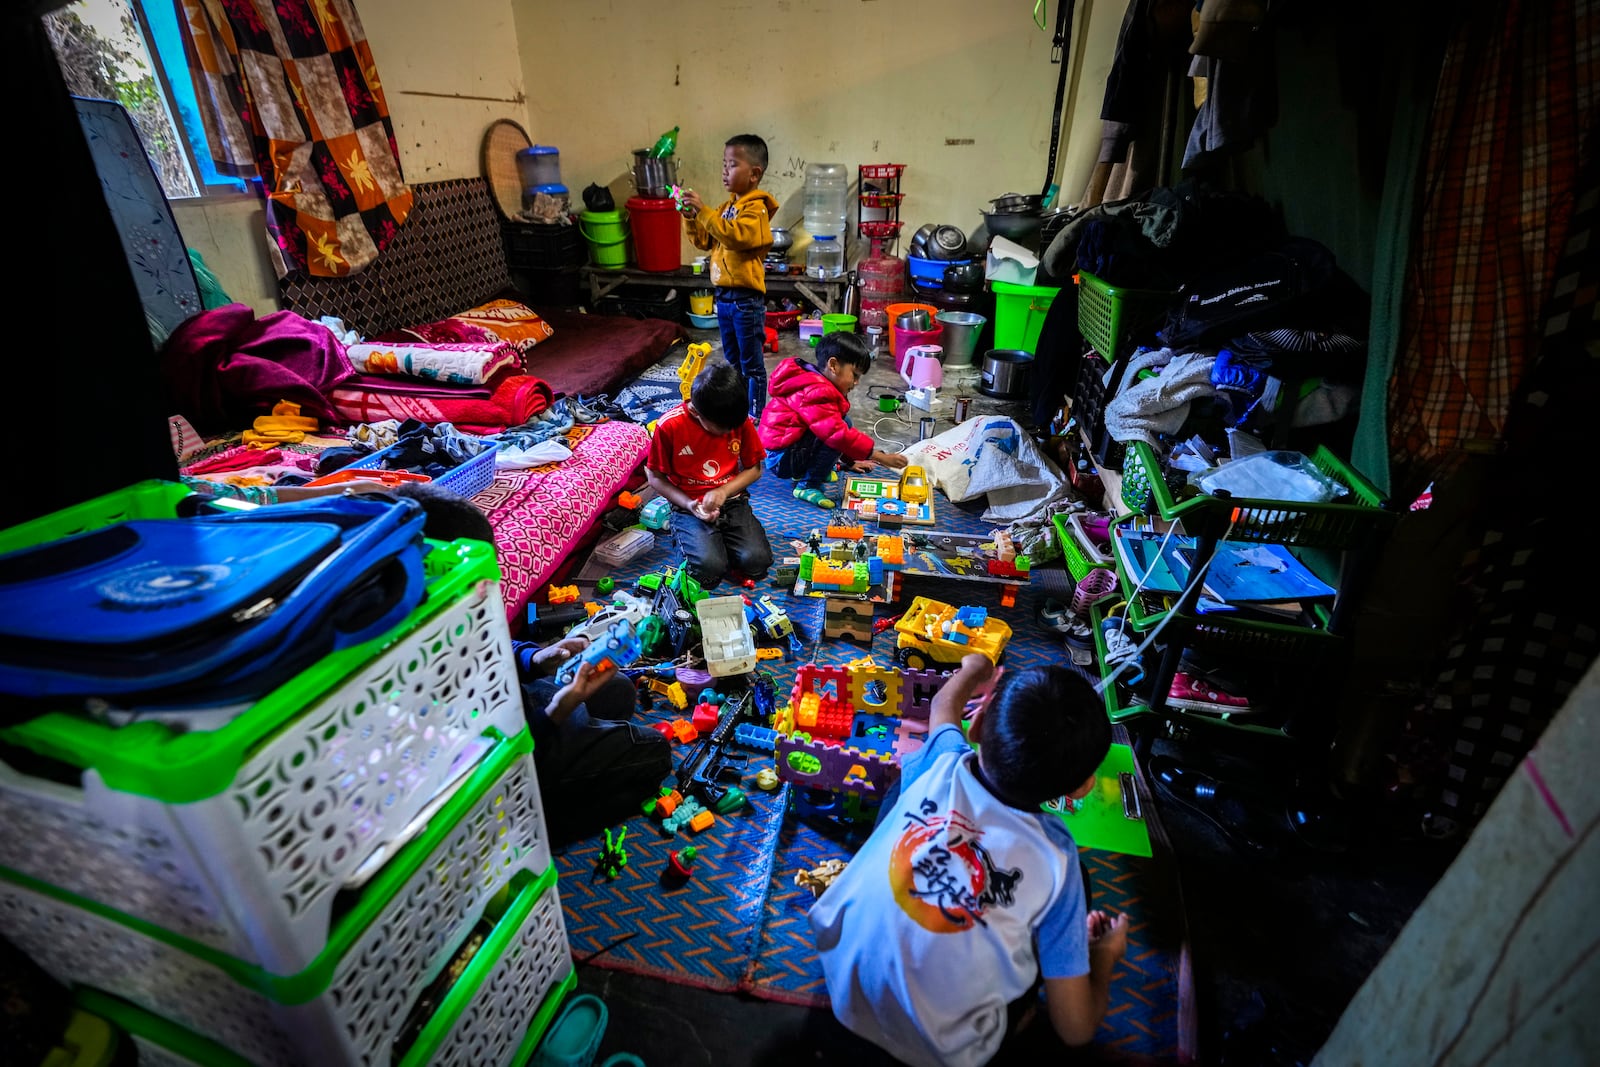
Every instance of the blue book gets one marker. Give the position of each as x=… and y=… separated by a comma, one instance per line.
x=1250, y=573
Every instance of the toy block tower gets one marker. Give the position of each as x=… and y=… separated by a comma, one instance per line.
x=848, y=619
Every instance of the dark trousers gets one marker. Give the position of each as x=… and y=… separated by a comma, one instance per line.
x=596, y=769
x=735, y=541
x=807, y=461
x=742, y=317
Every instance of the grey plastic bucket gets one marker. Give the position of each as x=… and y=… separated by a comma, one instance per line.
x=960, y=337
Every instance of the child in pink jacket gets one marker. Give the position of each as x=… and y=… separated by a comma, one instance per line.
x=806, y=428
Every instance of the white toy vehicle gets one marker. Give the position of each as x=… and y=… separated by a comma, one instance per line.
x=623, y=606
x=725, y=635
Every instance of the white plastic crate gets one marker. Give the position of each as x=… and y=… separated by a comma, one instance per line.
x=252, y=871
x=356, y=1017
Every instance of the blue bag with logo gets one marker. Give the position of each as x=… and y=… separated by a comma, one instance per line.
x=209, y=608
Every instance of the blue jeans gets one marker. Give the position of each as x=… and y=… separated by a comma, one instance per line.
x=807, y=461
x=735, y=541
x=742, y=316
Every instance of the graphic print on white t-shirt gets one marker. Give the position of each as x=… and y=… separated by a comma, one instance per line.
x=943, y=877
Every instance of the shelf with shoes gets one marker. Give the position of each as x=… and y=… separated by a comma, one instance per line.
x=1177, y=678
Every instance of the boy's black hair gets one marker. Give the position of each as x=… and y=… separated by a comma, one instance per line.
x=848, y=348
x=752, y=147
x=1044, y=733
x=718, y=393
x=449, y=515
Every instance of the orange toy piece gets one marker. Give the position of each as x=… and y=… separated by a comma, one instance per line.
x=629, y=500
x=702, y=821
x=771, y=344
x=665, y=804
x=892, y=551
x=846, y=533
x=806, y=715
x=562, y=594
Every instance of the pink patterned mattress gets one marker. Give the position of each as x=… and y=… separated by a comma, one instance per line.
x=540, y=514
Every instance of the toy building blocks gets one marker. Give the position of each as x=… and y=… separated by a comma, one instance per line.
x=760, y=738
x=673, y=691
x=847, y=532
x=562, y=594
x=694, y=361
x=892, y=551
x=663, y=803
x=688, y=813
x=847, y=618
x=931, y=632
x=617, y=648
x=676, y=730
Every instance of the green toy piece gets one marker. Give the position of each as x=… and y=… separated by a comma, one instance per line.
x=613, y=857
x=605, y=585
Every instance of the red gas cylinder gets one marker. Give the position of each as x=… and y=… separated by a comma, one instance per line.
x=656, y=227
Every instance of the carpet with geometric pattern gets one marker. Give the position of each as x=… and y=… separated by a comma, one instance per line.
x=739, y=924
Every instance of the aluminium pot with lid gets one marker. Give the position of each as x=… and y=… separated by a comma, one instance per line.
x=1006, y=372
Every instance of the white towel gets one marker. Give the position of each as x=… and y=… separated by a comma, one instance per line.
x=1159, y=405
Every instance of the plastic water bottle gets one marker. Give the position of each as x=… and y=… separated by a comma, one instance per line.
x=827, y=199
x=825, y=257
x=666, y=144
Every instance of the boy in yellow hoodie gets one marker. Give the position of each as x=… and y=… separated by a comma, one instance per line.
x=738, y=235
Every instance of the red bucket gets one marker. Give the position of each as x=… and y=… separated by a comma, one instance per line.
x=656, y=226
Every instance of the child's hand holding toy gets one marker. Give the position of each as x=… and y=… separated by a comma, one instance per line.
x=689, y=202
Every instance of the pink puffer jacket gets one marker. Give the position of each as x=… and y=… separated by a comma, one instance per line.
x=799, y=398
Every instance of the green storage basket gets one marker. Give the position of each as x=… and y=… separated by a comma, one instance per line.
x=1341, y=524
x=1109, y=316
x=1019, y=312
x=1081, y=558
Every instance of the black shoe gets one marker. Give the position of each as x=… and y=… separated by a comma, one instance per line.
x=1239, y=816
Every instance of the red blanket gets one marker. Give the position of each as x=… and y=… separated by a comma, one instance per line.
x=511, y=401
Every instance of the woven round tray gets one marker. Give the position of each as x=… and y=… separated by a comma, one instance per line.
x=498, y=161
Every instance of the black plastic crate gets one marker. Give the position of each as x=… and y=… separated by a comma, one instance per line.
x=543, y=245
x=1089, y=404
x=645, y=302
x=549, y=286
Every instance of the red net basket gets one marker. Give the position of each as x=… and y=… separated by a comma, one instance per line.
x=882, y=170
x=879, y=228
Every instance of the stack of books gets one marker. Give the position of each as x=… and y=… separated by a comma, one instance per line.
x=1251, y=580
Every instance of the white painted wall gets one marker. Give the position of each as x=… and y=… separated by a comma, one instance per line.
x=850, y=81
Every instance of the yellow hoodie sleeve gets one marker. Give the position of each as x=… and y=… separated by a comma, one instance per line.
x=697, y=233
x=750, y=227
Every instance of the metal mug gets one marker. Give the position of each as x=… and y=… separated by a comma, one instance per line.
x=963, y=408
x=925, y=427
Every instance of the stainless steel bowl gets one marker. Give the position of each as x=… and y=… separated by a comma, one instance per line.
x=782, y=240
x=919, y=240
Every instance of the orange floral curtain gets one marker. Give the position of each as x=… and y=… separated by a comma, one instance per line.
x=289, y=93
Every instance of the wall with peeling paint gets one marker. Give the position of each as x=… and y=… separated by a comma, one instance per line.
x=849, y=81
x=959, y=91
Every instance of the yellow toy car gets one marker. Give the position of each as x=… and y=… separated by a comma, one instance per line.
x=914, y=485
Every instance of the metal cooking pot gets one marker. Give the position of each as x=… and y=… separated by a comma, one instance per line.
x=1019, y=226
x=1006, y=372
x=916, y=320
x=653, y=177
x=782, y=240
x=1018, y=202
x=963, y=277
x=947, y=242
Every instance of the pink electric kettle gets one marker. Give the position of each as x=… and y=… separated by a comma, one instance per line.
x=923, y=368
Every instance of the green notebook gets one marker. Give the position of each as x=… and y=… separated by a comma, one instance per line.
x=1100, y=821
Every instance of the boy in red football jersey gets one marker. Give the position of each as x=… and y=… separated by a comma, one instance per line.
x=704, y=455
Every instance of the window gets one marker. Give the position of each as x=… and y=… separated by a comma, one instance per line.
x=131, y=52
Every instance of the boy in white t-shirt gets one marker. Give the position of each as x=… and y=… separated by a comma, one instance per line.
x=966, y=897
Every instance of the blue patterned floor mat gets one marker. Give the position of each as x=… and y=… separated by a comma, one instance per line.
x=739, y=925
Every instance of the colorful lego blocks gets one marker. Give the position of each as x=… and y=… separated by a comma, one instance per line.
x=562, y=594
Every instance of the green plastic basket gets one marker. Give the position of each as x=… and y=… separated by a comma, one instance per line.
x=1117, y=708
x=1019, y=312
x=1341, y=524
x=1110, y=316
x=1079, y=560
x=176, y=765
x=158, y=1035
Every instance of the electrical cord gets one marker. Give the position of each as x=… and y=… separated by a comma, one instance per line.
x=1194, y=578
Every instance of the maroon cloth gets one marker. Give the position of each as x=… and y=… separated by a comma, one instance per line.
x=590, y=354
x=223, y=367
